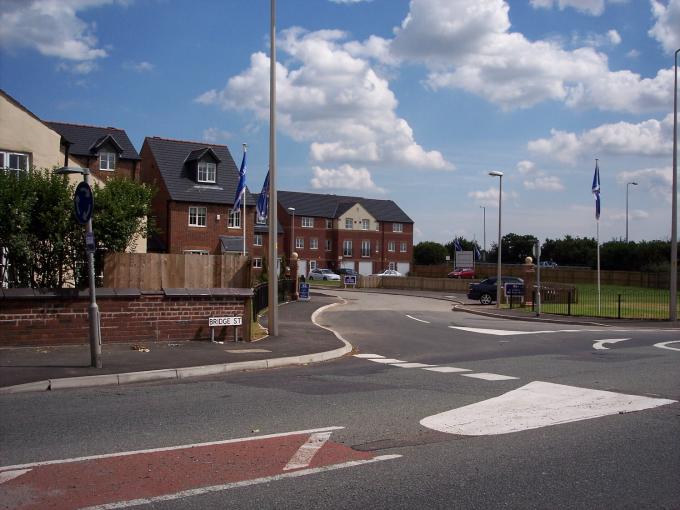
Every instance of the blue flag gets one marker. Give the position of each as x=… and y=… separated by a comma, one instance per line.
x=263, y=201
x=241, y=188
x=456, y=245
x=596, y=190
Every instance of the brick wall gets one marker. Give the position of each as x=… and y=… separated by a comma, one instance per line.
x=126, y=168
x=39, y=318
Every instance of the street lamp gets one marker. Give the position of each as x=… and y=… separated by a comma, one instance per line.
x=495, y=173
x=484, y=208
x=93, y=310
x=673, y=312
x=628, y=185
x=292, y=230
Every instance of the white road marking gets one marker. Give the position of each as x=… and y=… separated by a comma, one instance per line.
x=537, y=404
x=448, y=369
x=6, y=476
x=507, y=332
x=664, y=345
x=386, y=360
x=411, y=365
x=490, y=377
x=600, y=343
x=368, y=356
x=166, y=449
x=303, y=457
x=234, y=485
x=416, y=319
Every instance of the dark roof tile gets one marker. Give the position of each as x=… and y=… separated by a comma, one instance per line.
x=84, y=138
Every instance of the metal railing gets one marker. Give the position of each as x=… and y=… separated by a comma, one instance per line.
x=286, y=290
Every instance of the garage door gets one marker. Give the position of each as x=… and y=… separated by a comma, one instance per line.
x=403, y=267
x=365, y=268
x=347, y=265
x=302, y=267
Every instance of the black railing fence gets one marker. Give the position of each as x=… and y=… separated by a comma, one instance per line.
x=286, y=289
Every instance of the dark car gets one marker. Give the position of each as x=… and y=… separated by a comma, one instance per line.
x=343, y=271
x=485, y=290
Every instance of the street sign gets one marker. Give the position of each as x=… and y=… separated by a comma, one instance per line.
x=350, y=280
x=465, y=259
x=89, y=242
x=83, y=203
x=514, y=289
x=303, y=292
x=224, y=321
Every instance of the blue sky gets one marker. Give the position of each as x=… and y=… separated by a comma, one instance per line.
x=415, y=101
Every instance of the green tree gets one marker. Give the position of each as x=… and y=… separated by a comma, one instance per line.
x=464, y=244
x=429, y=253
x=516, y=248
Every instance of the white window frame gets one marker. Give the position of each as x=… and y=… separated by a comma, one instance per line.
x=6, y=155
x=329, y=223
x=196, y=252
x=391, y=246
x=299, y=243
x=392, y=266
x=257, y=262
x=234, y=220
x=313, y=243
x=196, y=211
x=307, y=222
x=349, y=223
x=329, y=245
x=257, y=240
x=365, y=224
x=403, y=247
x=109, y=160
x=397, y=227
x=312, y=265
x=347, y=248
x=206, y=172
x=365, y=248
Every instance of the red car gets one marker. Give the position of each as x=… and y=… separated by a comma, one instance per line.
x=462, y=272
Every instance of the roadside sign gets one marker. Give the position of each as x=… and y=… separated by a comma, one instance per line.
x=303, y=292
x=465, y=259
x=350, y=280
x=224, y=321
x=514, y=289
x=83, y=203
x=89, y=242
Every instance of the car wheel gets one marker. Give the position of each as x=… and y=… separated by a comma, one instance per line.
x=324, y=278
x=486, y=299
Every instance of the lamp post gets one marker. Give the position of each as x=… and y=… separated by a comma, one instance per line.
x=93, y=310
x=673, y=312
x=484, y=209
x=273, y=287
x=495, y=173
x=292, y=230
x=628, y=185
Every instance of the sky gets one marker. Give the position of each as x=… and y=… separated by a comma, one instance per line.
x=414, y=101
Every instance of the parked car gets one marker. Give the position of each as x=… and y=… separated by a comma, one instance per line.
x=485, y=290
x=343, y=271
x=389, y=272
x=323, y=274
x=549, y=264
x=462, y=272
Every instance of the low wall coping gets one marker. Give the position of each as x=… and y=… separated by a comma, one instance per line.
x=105, y=292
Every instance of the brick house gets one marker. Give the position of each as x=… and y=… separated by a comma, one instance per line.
x=195, y=186
x=334, y=231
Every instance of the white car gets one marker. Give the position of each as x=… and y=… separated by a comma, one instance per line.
x=389, y=272
x=323, y=274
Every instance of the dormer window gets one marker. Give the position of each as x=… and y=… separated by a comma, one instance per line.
x=107, y=161
x=206, y=172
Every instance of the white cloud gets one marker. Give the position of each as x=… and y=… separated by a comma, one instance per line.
x=648, y=138
x=215, y=135
x=52, y=27
x=140, y=67
x=614, y=37
x=331, y=98
x=489, y=198
x=344, y=177
x=633, y=54
x=537, y=179
x=666, y=30
x=526, y=167
x=467, y=44
x=659, y=181
x=591, y=7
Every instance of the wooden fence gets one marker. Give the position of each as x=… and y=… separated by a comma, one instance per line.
x=414, y=283
x=155, y=271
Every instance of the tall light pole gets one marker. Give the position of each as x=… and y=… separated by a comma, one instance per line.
x=484, y=208
x=273, y=287
x=628, y=185
x=292, y=230
x=673, y=312
x=495, y=173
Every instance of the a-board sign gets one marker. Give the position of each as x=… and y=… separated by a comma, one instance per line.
x=350, y=279
x=303, y=292
x=224, y=321
x=514, y=289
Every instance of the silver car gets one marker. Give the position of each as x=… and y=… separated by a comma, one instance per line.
x=323, y=274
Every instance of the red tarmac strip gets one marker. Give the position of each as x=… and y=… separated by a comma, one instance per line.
x=73, y=484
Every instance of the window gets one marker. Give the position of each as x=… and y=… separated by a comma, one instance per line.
x=365, y=224
x=206, y=171
x=329, y=223
x=14, y=161
x=299, y=242
x=392, y=266
x=390, y=246
x=196, y=252
x=397, y=227
x=402, y=247
x=257, y=263
x=197, y=216
x=347, y=248
x=234, y=218
x=312, y=265
x=257, y=240
x=365, y=248
x=107, y=161
x=260, y=220
x=313, y=243
x=329, y=245
x=349, y=223
x=307, y=222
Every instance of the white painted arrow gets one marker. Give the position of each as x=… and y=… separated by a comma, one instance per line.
x=6, y=476
x=600, y=343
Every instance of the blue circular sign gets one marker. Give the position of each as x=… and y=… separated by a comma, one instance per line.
x=83, y=203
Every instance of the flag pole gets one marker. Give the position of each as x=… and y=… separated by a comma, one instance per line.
x=599, y=295
x=273, y=287
x=243, y=199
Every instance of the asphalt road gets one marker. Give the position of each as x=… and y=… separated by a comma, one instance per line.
x=382, y=457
